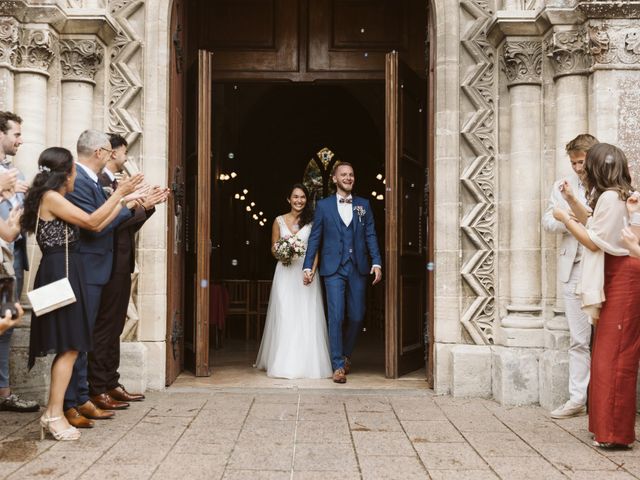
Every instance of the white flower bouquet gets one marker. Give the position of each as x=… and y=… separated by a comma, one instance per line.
x=288, y=248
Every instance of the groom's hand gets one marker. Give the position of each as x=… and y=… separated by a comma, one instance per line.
x=377, y=274
x=308, y=277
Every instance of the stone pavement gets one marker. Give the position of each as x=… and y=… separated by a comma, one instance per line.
x=194, y=433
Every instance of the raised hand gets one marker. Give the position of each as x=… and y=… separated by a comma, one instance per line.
x=130, y=184
x=155, y=196
x=566, y=191
x=8, y=180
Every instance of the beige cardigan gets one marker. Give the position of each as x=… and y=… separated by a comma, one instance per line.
x=604, y=229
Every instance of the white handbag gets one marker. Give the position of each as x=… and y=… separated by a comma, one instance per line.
x=56, y=294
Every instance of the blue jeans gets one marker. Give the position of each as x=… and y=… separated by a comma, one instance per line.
x=345, y=289
x=5, y=338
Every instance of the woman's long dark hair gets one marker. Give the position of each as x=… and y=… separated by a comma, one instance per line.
x=306, y=216
x=606, y=168
x=54, y=167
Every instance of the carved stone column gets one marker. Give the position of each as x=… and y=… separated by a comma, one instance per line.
x=80, y=58
x=522, y=64
x=568, y=50
x=8, y=46
x=34, y=55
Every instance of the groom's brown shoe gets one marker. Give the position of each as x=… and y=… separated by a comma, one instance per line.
x=339, y=376
x=347, y=365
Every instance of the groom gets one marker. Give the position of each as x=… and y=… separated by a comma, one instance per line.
x=344, y=231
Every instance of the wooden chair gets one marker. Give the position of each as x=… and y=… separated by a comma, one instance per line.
x=239, y=300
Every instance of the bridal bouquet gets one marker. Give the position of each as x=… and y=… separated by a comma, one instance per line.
x=288, y=248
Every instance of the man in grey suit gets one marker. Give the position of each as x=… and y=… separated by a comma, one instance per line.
x=569, y=268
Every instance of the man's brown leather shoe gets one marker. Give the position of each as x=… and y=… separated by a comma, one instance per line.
x=89, y=410
x=339, y=376
x=76, y=420
x=347, y=365
x=120, y=393
x=106, y=402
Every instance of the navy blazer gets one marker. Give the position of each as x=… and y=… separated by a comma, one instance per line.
x=96, y=247
x=326, y=237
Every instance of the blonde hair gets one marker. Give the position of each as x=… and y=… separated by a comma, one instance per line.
x=582, y=143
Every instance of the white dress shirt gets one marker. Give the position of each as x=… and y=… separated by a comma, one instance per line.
x=345, y=209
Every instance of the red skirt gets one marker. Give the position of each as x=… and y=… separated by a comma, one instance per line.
x=616, y=353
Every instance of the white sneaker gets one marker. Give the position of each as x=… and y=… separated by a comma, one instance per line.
x=569, y=410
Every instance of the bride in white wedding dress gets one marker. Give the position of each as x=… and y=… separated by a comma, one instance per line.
x=294, y=343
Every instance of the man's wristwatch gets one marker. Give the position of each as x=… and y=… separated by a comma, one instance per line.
x=123, y=202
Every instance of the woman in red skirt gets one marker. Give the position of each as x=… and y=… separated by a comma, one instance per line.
x=609, y=288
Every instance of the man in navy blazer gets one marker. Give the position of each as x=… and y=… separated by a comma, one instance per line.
x=344, y=232
x=94, y=149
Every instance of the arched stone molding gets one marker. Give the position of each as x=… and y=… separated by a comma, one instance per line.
x=80, y=59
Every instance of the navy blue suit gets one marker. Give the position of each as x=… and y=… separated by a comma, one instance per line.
x=96, y=249
x=346, y=255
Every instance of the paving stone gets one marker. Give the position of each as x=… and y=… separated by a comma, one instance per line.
x=337, y=475
x=599, y=475
x=261, y=456
x=390, y=468
x=467, y=422
x=463, y=475
x=273, y=411
x=122, y=472
x=369, y=405
x=206, y=442
x=543, y=434
x=268, y=430
x=325, y=457
x=575, y=456
x=524, y=468
x=191, y=466
x=368, y=421
x=323, y=432
x=325, y=413
x=439, y=431
x=256, y=475
x=498, y=444
x=448, y=456
x=65, y=465
x=382, y=444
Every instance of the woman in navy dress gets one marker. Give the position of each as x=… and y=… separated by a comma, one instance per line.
x=65, y=331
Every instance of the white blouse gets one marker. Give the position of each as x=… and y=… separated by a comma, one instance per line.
x=604, y=229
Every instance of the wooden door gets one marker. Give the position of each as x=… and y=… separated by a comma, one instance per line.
x=202, y=214
x=176, y=205
x=406, y=218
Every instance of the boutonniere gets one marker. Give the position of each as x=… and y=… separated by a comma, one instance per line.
x=360, y=211
x=107, y=190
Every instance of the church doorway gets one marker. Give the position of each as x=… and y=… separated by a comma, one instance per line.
x=252, y=128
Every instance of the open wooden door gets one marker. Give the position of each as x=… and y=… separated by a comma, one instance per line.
x=202, y=217
x=406, y=211
x=176, y=205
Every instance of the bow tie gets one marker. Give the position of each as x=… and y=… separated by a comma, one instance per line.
x=344, y=200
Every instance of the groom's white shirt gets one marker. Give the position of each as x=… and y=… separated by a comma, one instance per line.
x=345, y=209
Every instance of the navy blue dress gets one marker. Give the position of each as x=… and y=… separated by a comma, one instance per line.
x=66, y=328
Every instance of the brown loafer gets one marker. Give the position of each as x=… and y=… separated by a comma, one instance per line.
x=339, y=376
x=76, y=420
x=106, y=402
x=89, y=410
x=347, y=365
x=120, y=393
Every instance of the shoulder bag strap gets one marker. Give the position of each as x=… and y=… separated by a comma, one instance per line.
x=33, y=247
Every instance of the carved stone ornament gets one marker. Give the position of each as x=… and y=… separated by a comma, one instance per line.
x=9, y=34
x=35, y=51
x=569, y=52
x=615, y=45
x=522, y=62
x=80, y=59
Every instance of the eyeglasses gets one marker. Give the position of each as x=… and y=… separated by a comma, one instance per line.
x=106, y=149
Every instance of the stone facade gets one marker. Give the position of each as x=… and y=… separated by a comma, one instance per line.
x=515, y=80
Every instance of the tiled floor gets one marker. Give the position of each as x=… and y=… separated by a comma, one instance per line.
x=235, y=433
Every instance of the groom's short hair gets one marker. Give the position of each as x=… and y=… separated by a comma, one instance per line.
x=338, y=165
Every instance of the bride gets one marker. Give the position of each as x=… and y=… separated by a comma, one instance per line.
x=294, y=344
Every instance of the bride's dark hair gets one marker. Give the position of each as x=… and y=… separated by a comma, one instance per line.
x=306, y=216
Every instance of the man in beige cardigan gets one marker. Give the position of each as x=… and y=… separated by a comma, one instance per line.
x=569, y=268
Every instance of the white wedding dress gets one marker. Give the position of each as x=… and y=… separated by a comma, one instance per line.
x=294, y=343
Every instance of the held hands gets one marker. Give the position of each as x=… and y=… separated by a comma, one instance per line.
x=308, y=277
